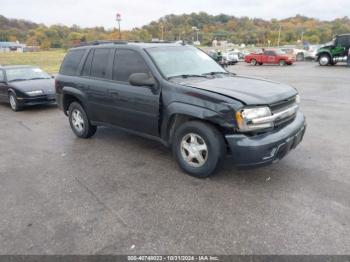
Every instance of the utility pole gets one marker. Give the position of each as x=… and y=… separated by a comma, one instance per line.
x=119, y=19
x=302, y=36
x=279, y=36
x=162, y=31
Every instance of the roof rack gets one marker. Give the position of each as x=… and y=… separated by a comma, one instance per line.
x=124, y=42
x=104, y=42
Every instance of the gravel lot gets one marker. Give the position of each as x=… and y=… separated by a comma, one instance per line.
x=121, y=194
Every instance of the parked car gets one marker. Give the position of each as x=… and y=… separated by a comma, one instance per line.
x=311, y=53
x=272, y=56
x=218, y=57
x=231, y=58
x=335, y=51
x=22, y=86
x=178, y=95
x=298, y=54
x=240, y=54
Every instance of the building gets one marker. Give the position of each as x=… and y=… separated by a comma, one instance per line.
x=6, y=47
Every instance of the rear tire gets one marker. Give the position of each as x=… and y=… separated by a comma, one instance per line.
x=282, y=63
x=80, y=122
x=199, y=148
x=15, y=106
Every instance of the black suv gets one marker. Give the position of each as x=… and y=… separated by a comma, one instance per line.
x=180, y=96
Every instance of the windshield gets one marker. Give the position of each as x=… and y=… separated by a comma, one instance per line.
x=25, y=73
x=183, y=60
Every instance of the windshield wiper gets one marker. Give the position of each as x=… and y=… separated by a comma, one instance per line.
x=36, y=78
x=186, y=76
x=18, y=79
x=218, y=73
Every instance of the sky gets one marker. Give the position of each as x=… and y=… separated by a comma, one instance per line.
x=136, y=13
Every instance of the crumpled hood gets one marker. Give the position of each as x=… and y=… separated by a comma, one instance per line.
x=251, y=91
x=47, y=85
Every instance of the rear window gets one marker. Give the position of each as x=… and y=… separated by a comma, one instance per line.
x=71, y=62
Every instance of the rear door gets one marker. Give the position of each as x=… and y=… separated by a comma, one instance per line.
x=96, y=72
x=132, y=107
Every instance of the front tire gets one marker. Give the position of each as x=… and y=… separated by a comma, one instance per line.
x=80, y=122
x=282, y=63
x=15, y=106
x=324, y=60
x=253, y=62
x=199, y=148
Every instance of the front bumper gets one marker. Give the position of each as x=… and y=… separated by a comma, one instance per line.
x=36, y=100
x=260, y=150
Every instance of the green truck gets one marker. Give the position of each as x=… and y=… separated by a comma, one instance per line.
x=335, y=51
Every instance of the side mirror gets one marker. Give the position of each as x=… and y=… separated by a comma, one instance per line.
x=141, y=79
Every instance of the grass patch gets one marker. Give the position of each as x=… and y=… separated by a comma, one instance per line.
x=49, y=61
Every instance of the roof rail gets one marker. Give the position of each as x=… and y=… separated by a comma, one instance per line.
x=160, y=42
x=103, y=42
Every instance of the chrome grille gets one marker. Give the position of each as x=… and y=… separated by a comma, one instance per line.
x=282, y=106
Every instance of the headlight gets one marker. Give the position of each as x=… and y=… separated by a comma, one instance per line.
x=35, y=93
x=246, y=116
x=297, y=99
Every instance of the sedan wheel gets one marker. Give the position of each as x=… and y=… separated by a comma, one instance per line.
x=253, y=62
x=14, y=102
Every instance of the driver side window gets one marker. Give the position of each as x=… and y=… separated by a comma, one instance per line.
x=343, y=41
x=127, y=62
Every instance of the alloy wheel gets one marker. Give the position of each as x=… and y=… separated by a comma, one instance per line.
x=13, y=102
x=78, y=121
x=194, y=150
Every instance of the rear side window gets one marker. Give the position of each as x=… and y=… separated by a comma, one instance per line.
x=71, y=62
x=127, y=62
x=100, y=63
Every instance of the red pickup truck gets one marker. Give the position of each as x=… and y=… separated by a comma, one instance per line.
x=269, y=57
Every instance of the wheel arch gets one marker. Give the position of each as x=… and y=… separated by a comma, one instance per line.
x=324, y=53
x=71, y=95
x=179, y=113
